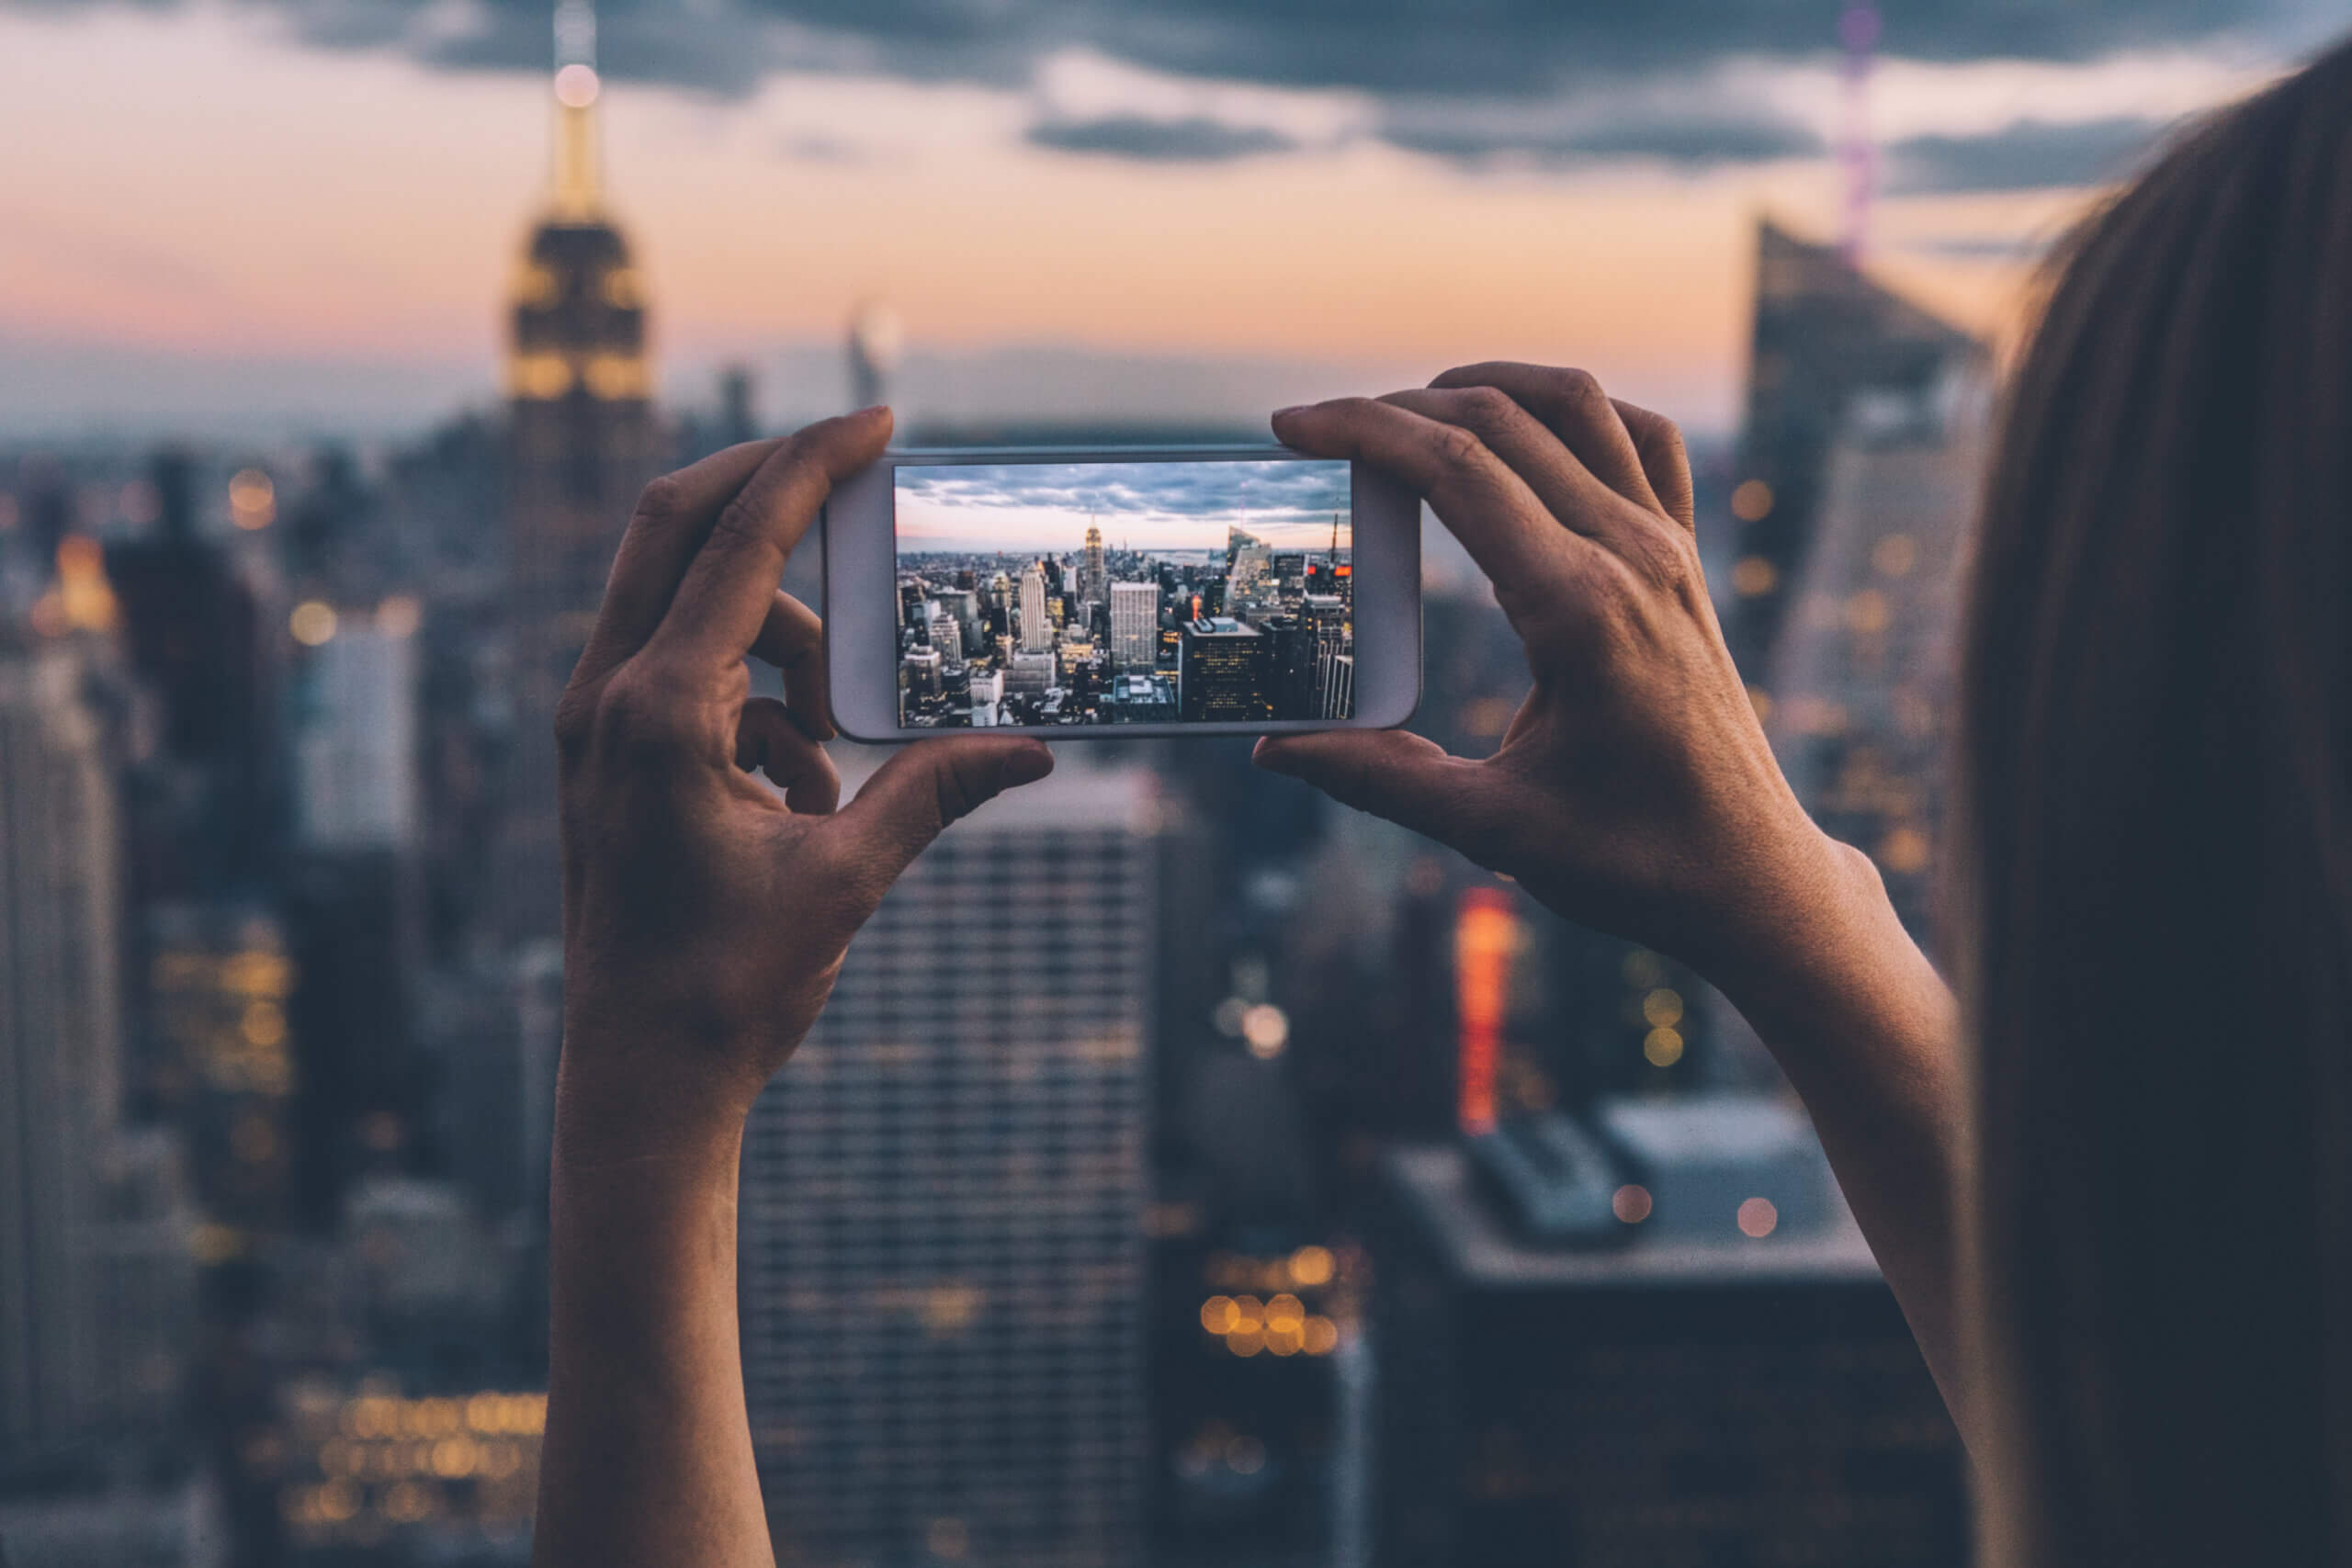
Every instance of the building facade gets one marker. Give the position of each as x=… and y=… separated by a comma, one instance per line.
x=942, y=1252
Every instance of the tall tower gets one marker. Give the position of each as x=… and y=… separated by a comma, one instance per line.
x=582, y=441
x=942, y=1252
x=1092, y=584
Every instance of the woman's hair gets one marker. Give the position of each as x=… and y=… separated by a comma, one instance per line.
x=2156, y=865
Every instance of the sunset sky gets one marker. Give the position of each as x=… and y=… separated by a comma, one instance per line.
x=294, y=217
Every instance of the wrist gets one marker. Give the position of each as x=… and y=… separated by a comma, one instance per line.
x=636, y=1093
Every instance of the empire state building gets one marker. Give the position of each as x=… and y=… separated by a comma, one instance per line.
x=583, y=439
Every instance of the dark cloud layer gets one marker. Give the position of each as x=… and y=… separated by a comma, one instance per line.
x=1195, y=140
x=1688, y=141
x=2031, y=154
x=1484, y=48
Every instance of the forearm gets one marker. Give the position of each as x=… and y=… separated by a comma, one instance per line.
x=648, y=1456
x=1868, y=1034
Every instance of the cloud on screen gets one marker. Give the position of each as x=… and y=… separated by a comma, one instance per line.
x=1016, y=507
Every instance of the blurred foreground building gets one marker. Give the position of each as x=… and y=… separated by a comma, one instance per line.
x=1732, y=1397
x=943, y=1247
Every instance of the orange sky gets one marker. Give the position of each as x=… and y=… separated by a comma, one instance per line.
x=189, y=184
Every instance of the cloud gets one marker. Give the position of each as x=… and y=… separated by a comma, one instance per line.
x=1688, y=141
x=1486, y=48
x=1195, y=139
x=2029, y=154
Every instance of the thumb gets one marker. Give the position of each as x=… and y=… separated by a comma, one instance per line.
x=1408, y=779
x=930, y=784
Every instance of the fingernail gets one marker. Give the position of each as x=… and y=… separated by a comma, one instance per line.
x=1027, y=766
x=1295, y=408
x=1268, y=755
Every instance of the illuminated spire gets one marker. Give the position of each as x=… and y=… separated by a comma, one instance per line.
x=579, y=193
x=1858, y=30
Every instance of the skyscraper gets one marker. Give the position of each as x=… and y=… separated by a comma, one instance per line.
x=1036, y=630
x=582, y=441
x=1135, y=625
x=1091, y=582
x=1860, y=464
x=1225, y=672
x=61, y=1038
x=942, y=1243
x=1828, y=342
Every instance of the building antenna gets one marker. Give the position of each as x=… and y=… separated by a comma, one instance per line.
x=1858, y=29
x=578, y=179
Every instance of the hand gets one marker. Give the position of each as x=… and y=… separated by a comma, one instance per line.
x=1634, y=790
x=704, y=916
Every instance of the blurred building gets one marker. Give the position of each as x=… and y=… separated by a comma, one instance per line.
x=60, y=1049
x=1827, y=341
x=371, y=1475
x=1859, y=472
x=1751, y=1398
x=942, y=1245
x=583, y=440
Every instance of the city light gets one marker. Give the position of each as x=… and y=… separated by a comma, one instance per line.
x=1662, y=1046
x=1753, y=576
x=1486, y=934
x=576, y=86
x=398, y=615
x=1751, y=500
x=312, y=623
x=252, y=500
x=1631, y=1203
x=1758, y=1217
x=1265, y=1029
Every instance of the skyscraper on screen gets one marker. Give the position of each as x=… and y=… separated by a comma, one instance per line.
x=943, y=1258
x=582, y=441
x=1135, y=625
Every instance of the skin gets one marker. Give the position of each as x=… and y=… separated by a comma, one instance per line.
x=706, y=917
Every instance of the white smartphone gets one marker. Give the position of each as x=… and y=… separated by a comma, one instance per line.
x=1135, y=591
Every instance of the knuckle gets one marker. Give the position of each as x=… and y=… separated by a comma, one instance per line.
x=1577, y=387
x=1457, y=447
x=1488, y=408
x=639, y=713
x=661, y=499
x=575, y=723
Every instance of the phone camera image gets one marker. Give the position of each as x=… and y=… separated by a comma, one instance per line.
x=1212, y=592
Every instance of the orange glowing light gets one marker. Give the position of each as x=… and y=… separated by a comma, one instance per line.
x=1484, y=933
x=1631, y=1204
x=1758, y=1218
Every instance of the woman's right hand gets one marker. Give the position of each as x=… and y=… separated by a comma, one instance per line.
x=1634, y=791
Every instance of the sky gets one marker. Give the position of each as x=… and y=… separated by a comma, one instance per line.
x=284, y=218
x=996, y=508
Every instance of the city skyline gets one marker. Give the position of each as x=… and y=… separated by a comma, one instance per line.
x=1019, y=508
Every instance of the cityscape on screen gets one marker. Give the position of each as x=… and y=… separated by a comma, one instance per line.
x=1072, y=594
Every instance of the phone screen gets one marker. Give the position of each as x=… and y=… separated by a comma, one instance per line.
x=1130, y=593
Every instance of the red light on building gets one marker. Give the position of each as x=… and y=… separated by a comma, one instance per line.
x=1486, y=931
x=1196, y=606
x=1343, y=571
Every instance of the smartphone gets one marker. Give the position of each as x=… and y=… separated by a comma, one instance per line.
x=1137, y=592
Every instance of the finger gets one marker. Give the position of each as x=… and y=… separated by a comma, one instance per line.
x=1490, y=509
x=672, y=518
x=793, y=639
x=730, y=584
x=1567, y=489
x=929, y=784
x=768, y=738
x=1406, y=778
x=1659, y=441
x=1571, y=403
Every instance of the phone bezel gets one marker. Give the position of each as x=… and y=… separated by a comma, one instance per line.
x=861, y=579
